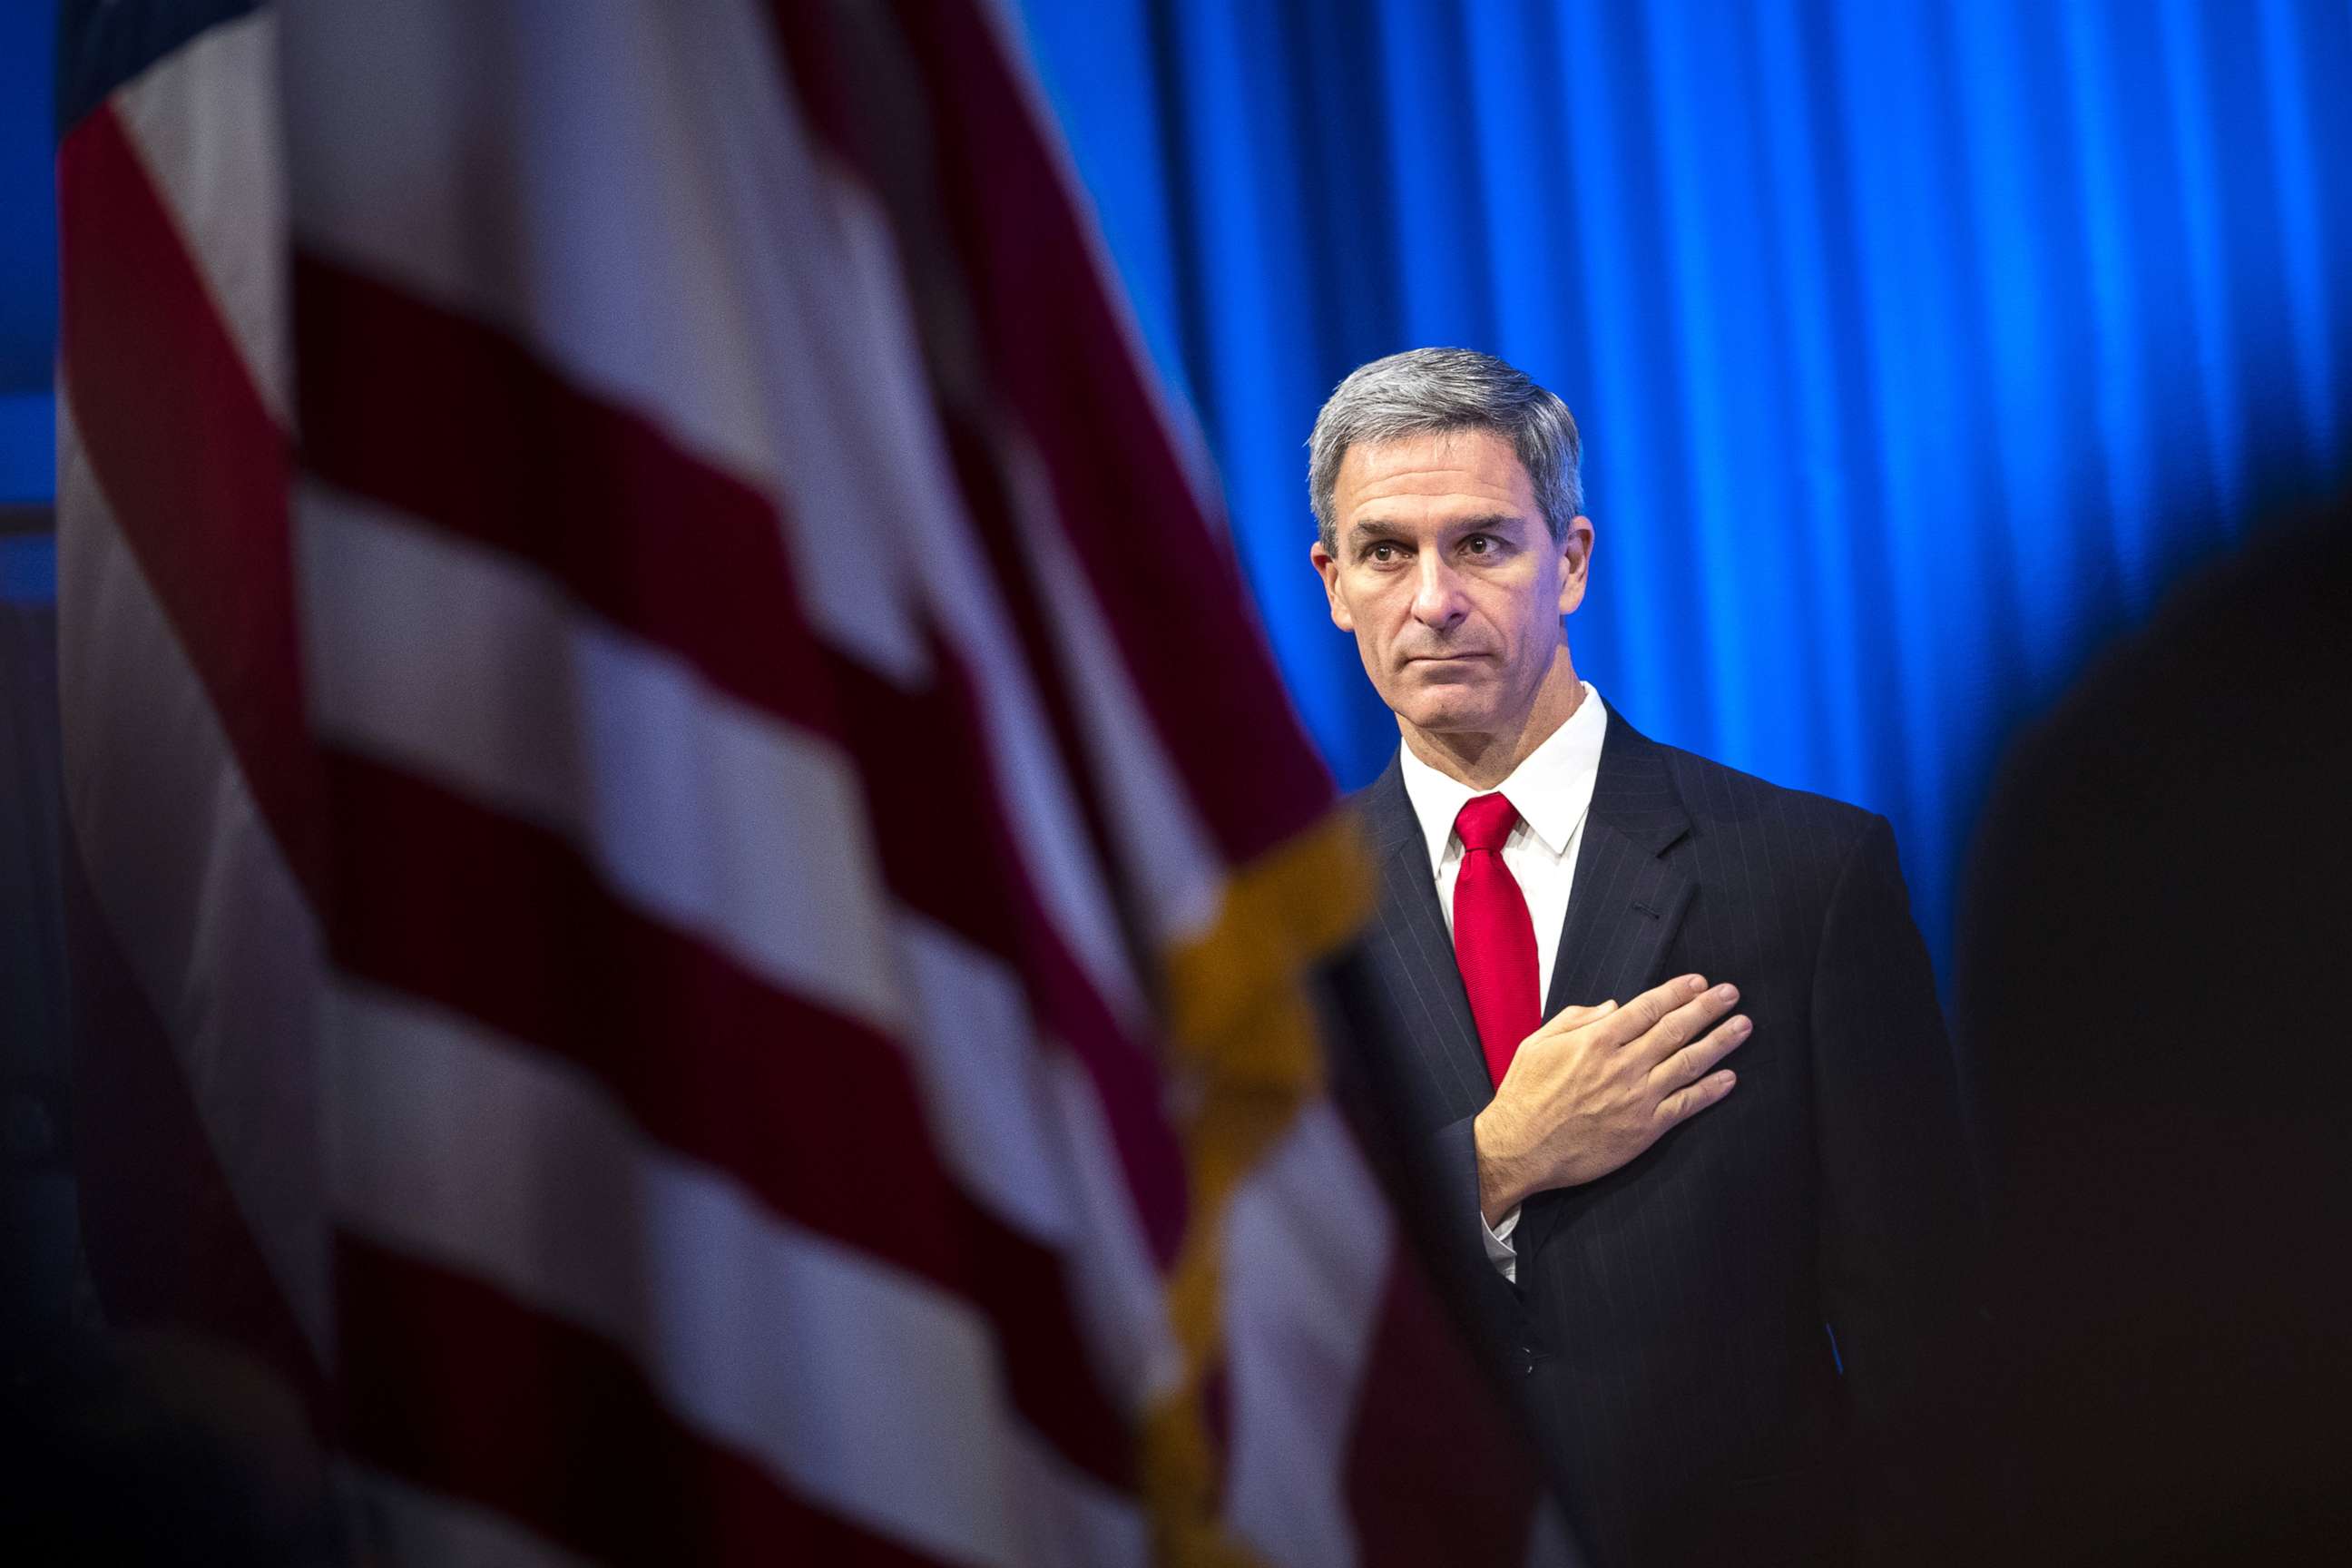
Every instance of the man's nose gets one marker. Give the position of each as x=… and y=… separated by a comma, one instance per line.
x=1437, y=598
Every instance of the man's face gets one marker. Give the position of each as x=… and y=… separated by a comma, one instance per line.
x=1448, y=578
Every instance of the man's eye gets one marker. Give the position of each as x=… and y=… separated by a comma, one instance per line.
x=1384, y=552
x=1478, y=544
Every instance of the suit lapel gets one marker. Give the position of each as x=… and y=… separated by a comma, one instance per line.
x=1628, y=896
x=1425, y=985
x=1626, y=904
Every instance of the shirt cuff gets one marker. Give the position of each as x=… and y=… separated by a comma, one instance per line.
x=1499, y=1250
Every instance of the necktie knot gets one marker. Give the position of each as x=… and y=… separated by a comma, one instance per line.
x=1485, y=821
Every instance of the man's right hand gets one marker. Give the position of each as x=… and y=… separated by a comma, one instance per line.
x=1596, y=1086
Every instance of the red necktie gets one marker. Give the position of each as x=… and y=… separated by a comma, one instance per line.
x=1494, y=940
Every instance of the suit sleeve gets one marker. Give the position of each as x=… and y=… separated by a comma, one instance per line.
x=1440, y=1200
x=1901, y=1243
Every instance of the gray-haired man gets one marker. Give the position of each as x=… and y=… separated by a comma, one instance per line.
x=1662, y=1038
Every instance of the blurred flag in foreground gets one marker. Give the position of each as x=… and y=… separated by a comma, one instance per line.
x=700, y=886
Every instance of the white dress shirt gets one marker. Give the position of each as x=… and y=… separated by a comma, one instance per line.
x=1551, y=789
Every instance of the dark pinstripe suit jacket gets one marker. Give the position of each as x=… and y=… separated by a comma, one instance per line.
x=1671, y=1334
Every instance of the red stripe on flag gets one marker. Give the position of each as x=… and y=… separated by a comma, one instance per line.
x=452, y=421
x=456, y=1387
x=1060, y=359
x=193, y=465
x=504, y=922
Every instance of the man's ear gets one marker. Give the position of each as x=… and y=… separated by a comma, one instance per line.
x=1326, y=566
x=1575, y=564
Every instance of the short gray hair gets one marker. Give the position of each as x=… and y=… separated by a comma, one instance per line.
x=1430, y=391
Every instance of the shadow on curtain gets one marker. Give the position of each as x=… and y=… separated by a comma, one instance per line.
x=1917, y=347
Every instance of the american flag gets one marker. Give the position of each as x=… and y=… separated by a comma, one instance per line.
x=698, y=883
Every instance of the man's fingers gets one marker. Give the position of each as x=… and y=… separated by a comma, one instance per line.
x=1684, y=1103
x=1693, y=1061
x=1686, y=1022
x=1644, y=1011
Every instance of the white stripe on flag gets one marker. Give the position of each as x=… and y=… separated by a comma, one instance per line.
x=472, y=153
x=743, y=830
x=204, y=119
x=1018, y=1120
x=663, y=249
x=866, y=1390
x=983, y=1073
x=194, y=889
x=1307, y=1253
x=1113, y=1275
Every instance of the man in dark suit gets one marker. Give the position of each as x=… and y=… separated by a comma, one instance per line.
x=1735, y=1297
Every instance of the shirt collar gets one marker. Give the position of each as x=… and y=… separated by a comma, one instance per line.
x=1551, y=789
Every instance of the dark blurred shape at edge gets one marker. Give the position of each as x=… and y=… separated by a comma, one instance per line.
x=2149, y=1014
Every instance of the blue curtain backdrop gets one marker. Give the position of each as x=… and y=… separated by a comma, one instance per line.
x=1917, y=347
x=28, y=282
